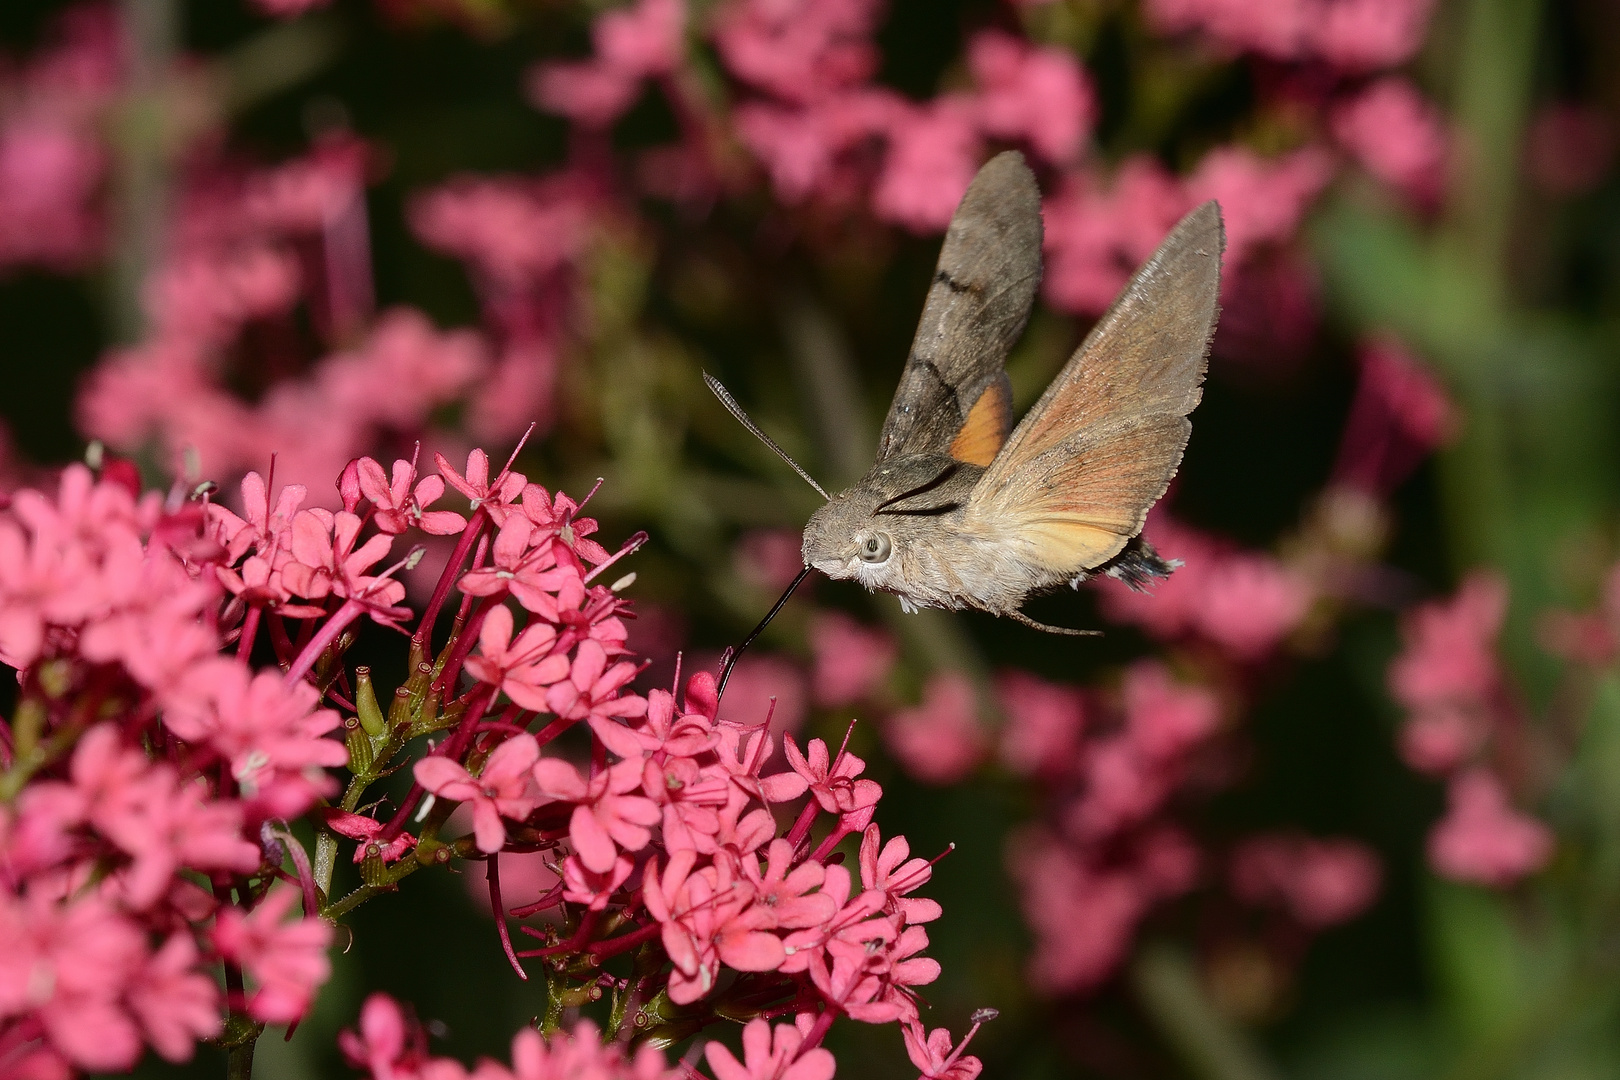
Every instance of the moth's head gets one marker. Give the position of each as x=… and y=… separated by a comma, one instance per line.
x=849, y=540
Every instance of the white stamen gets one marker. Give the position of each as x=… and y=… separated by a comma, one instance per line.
x=427, y=808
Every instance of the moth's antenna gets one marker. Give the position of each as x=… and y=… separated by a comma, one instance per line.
x=729, y=659
x=742, y=418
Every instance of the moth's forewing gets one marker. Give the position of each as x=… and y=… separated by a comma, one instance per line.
x=1077, y=477
x=988, y=272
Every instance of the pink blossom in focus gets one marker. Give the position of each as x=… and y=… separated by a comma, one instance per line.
x=1397, y=135
x=1320, y=882
x=1250, y=603
x=939, y=741
x=1038, y=93
x=1482, y=838
x=851, y=661
x=770, y=1054
x=502, y=789
x=287, y=960
x=1044, y=722
x=606, y=812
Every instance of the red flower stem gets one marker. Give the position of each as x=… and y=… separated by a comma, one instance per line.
x=279, y=640
x=554, y=729
x=447, y=578
x=493, y=872
x=801, y=827
x=250, y=630
x=551, y=897
x=452, y=748
x=614, y=946
x=335, y=625
x=832, y=840
x=464, y=644
x=574, y=944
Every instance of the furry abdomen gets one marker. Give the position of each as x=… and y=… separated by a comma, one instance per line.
x=964, y=570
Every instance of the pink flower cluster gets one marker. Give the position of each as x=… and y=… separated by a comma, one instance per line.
x=258, y=259
x=1109, y=849
x=139, y=762
x=1356, y=35
x=1457, y=700
x=1318, y=882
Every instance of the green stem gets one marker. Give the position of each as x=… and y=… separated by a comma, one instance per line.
x=1208, y=1044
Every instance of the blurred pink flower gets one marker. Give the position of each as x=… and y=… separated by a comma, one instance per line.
x=1570, y=148
x=756, y=681
x=1250, y=603
x=799, y=50
x=633, y=43
x=1439, y=738
x=934, y=151
x=1031, y=92
x=769, y=558
x=1400, y=414
x=1096, y=238
x=1276, y=28
x=50, y=177
x=1450, y=653
x=1044, y=722
x=287, y=960
x=513, y=230
x=1163, y=717
x=1397, y=135
x=1083, y=921
x=851, y=661
x=939, y=741
x=1319, y=882
x=1262, y=200
x=1482, y=839
x=177, y=1004
x=1363, y=35
x=286, y=9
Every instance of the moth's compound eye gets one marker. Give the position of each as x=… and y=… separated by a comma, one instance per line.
x=875, y=549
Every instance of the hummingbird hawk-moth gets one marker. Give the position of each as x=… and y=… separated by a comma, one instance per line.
x=963, y=510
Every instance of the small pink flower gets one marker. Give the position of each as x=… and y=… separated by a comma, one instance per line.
x=1450, y=654
x=606, y=814
x=287, y=960
x=891, y=871
x=503, y=788
x=396, y=506
x=495, y=498
x=771, y=1054
x=522, y=669
x=933, y=154
x=592, y=687
x=1163, y=717
x=785, y=895
x=939, y=741
x=934, y=1055
x=832, y=783
x=1482, y=838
